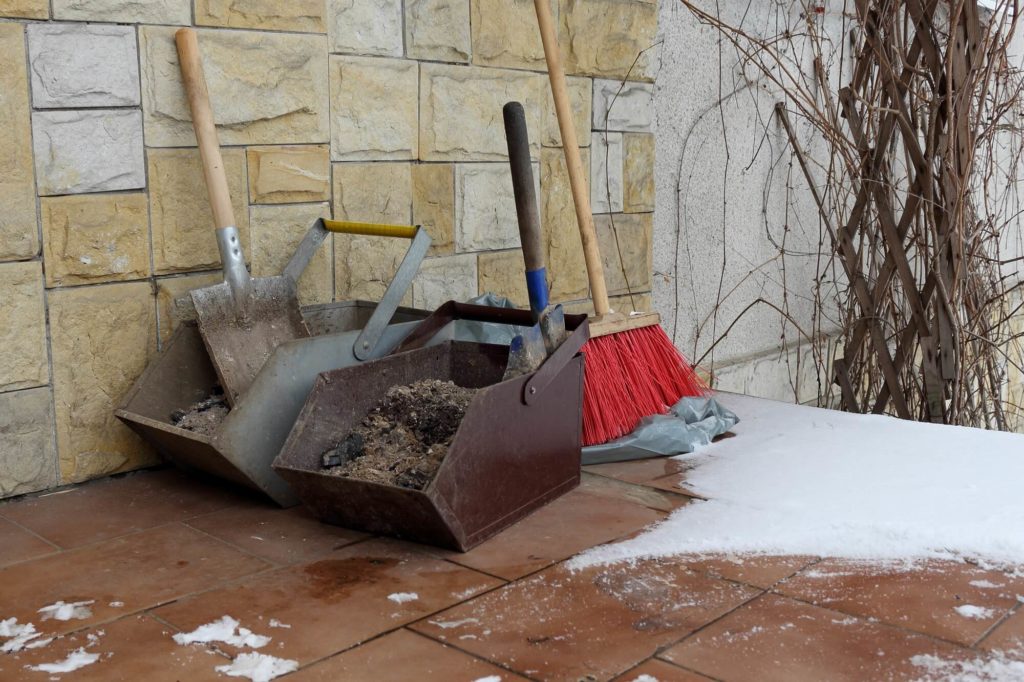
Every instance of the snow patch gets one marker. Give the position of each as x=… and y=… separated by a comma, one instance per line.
x=975, y=612
x=116, y=604
x=449, y=624
x=985, y=584
x=275, y=623
x=258, y=667
x=20, y=636
x=402, y=597
x=76, y=610
x=225, y=630
x=806, y=481
x=489, y=678
x=996, y=667
x=79, y=658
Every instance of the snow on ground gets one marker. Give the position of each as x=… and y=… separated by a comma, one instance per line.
x=803, y=481
x=79, y=658
x=975, y=612
x=77, y=610
x=224, y=630
x=20, y=636
x=402, y=597
x=995, y=667
x=258, y=667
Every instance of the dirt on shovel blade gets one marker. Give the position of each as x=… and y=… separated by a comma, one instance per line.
x=405, y=437
x=204, y=416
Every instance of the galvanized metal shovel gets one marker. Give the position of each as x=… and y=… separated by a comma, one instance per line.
x=243, y=319
x=529, y=350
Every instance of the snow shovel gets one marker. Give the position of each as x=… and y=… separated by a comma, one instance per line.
x=243, y=319
x=529, y=350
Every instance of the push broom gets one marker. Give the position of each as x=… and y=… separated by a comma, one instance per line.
x=632, y=368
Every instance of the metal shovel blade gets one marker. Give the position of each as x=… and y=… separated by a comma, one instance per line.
x=239, y=344
x=526, y=353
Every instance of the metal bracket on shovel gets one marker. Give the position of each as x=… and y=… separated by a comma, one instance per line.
x=539, y=380
x=366, y=345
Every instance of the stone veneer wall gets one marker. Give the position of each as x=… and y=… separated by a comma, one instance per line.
x=374, y=110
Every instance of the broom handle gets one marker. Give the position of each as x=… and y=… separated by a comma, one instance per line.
x=573, y=161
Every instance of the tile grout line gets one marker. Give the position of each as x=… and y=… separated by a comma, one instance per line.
x=995, y=626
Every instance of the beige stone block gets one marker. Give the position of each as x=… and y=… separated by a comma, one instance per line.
x=365, y=26
x=173, y=303
x=579, y=90
x=22, y=327
x=375, y=193
x=485, y=207
x=373, y=109
x=503, y=273
x=449, y=278
x=505, y=34
x=18, y=236
x=437, y=30
x=433, y=204
x=24, y=9
x=95, y=238
x=102, y=338
x=638, y=172
x=28, y=461
x=183, y=231
x=289, y=175
x=625, y=241
x=567, y=270
x=604, y=37
x=125, y=11
x=294, y=15
x=460, y=111
x=265, y=88
x=276, y=233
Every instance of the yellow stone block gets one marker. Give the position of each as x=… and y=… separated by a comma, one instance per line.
x=289, y=175
x=294, y=15
x=638, y=172
x=276, y=232
x=505, y=34
x=183, y=231
x=18, y=235
x=376, y=193
x=174, y=305
x=22, y=327
x=102, y=338
x=460, y=111
x=24, y=9
x=625, y=241
x=27, y=458
x=581, y=96
x=265, y=88
x=605, y=37
x=433, y=204
x=503, y=273
x=93, y=238
x=567, y=272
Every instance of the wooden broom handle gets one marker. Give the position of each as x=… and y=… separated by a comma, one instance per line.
x=206, y=132
x=573, y=161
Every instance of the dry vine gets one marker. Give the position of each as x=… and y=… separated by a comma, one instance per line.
x=913, y=172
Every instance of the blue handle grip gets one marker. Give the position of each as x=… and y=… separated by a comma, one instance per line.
x=537, y=286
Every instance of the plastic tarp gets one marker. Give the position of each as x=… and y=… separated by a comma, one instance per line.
x=691, y=423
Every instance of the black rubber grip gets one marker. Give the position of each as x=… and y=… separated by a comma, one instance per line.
x=518, y=140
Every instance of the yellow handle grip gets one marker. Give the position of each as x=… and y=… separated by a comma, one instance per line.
x=371, y=229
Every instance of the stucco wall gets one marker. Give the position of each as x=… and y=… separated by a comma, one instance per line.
x=372, y=110
x=729, y=196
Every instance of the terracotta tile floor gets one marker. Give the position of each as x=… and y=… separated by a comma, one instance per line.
x=158, y=552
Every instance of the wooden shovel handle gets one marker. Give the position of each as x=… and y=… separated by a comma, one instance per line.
x=573, y=161
x=206, y=132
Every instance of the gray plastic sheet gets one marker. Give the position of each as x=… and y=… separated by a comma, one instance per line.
x=690, y=423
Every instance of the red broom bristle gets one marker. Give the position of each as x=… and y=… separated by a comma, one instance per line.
x=631, y=375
